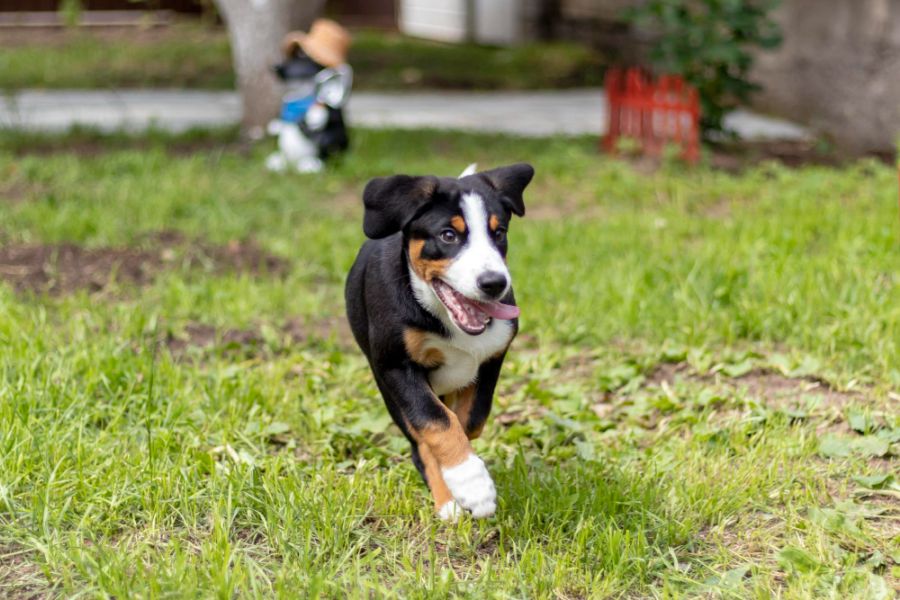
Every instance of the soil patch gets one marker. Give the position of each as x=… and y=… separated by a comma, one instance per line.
x=778, y=390
x=735, y=157
x=59, y=269
x=94, y=145
x=153, y=30
x=20, y=579
x=553, y=212
x=793, y=395
x=64, y=268
x=243, y=256
x=252, y=339
x=774, y=389
x=739, y=155
x=15, y=191
x=199, y=335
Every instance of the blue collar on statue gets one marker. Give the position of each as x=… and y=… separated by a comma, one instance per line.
x=294, y=109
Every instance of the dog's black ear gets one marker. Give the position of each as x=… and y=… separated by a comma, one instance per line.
x=392, y=202
x=511, y=181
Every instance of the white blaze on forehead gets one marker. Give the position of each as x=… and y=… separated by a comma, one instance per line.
x=470, y=170
x=479, y=255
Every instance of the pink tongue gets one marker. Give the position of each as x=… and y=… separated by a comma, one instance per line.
x=499, y=311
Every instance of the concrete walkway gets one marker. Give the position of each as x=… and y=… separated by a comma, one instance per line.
x=535, y=113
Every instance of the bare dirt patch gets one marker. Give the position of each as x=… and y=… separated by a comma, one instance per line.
x=552, y=212
x=792, y=154
x=347, y=203
x=90, y=145
x=778, y=390
x=59, y=269
x=199, y=335
x=15, y=190
x=773, y=389
x=243, y=256
x=20, y=578
x=747, y=535
x=737, y=156
x=251, y=340
x=799, y=398
x=64, y=268
x=147, y=29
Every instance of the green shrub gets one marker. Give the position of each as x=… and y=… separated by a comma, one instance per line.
x=710, y=43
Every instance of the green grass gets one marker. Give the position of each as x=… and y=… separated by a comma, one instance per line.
x=184, y=55
x=272, y=469
x=386, y=61
x=193, y=55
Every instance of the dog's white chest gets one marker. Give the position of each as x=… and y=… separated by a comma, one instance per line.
x=463, y=355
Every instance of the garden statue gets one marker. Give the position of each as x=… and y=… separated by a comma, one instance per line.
x=317, y=81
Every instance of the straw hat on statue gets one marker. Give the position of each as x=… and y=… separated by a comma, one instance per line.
x=326, y=43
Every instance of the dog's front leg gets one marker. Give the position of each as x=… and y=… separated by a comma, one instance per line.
x=472, y=404
x=456, y=476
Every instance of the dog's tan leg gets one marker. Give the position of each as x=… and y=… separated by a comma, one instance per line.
x=452, y=467
x=463, y=472
x=461, y=402
x=444, y=505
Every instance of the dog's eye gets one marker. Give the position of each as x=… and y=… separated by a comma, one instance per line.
x=500, y=235
x=449, y=236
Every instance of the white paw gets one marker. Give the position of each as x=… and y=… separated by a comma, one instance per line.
x=450, y=511
x=309, y=165
x=276, y=162
x=472, y=486
x=275, y=126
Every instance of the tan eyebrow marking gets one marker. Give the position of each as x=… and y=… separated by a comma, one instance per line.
x=424, y=268
x=458, y=223
x=494, y=223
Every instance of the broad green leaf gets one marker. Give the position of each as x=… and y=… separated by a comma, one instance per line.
x=738, y=369
x=871, y=445
x=875, y=482
x=798, y=559
x=876, y=561
x=585, y=450
x=892, y=436
x=730, y=579
x=835, y=521
x=276, y=428
x=831, y=446
x=859, y=421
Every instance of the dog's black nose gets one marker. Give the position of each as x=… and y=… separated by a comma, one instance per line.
x=492, y=283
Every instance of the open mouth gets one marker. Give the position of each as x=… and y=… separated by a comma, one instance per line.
x=472, y=316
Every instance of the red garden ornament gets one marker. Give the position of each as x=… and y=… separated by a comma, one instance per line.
x=655, y=113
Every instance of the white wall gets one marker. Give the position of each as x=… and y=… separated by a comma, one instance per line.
x=443, y=20
x=498, y=22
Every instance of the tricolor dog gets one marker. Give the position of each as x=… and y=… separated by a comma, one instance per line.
x=430, y=303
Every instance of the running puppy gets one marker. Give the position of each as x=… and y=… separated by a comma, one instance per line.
x=430, y=303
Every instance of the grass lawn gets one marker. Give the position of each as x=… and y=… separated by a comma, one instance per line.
x=190, y=54
x=703, y=400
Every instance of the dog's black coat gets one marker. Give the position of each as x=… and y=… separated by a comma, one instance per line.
x=380, y=302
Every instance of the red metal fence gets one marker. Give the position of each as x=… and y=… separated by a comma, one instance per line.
x=653, y=112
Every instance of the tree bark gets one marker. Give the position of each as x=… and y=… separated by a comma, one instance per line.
x=255, y=28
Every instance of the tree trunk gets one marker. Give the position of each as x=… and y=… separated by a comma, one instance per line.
x=255, y=28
